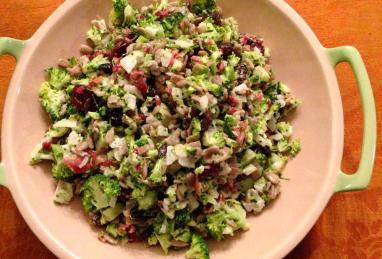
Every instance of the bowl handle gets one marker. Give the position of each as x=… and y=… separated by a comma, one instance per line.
x=15, y=48
x=361, y=178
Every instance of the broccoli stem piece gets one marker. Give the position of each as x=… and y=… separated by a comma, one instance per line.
x=198, y=249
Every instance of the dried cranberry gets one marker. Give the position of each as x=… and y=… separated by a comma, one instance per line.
x=47, y=145
x=163, y=150
x=233, y=101
x=151, y=86
x=211, y=171
x=82, y=98
x=137, y=77
x=227, y=49
x=242, y=71
x=106, y=68
x=162, y=14
x=217, y=17
x=258, y=44
x=115, y=116
x=119, y=48
x=265, y=150
x=206, y=121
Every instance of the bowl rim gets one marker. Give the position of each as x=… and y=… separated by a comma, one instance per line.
x=282, y=248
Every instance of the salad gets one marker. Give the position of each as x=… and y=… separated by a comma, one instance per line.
x=170, y=126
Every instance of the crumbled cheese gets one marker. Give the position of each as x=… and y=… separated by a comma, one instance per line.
x=74, y=138
x=184, y=44
x=165, y=57
x=129, y=62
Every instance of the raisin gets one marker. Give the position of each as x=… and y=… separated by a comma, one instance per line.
x=227, y=49
x=106, y=68
x=115, y=117
x=242, y=72
x=82, y=99
x=119, y=48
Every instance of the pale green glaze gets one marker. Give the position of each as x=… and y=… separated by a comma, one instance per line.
x=361, y=178
x=12, y=47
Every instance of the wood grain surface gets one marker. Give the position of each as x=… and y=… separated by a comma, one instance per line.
x=351, y=225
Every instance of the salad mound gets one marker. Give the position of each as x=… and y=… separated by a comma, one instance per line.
x=170, y=126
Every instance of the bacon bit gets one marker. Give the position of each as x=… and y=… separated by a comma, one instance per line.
x=173, y=58
x=141, y=17
x=108, y=163
x=243, y=125
x=137, y=77
x=269, y=104
x=95, y=81
x=158, y=101
x=259, y=96
x=231, y=110
x=147, y=49
x=162, y=14
x=231, y=185
x=142, y=116
x=196, y=59
x=222, y=66
x=47, y=145
x=117, y=68
x=233, y=100
x=138, y=168
x=197, y=186
x=140, y=150
x=74, y=162
x=240, y=137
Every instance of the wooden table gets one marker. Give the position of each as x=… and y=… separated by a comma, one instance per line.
x=351, y=225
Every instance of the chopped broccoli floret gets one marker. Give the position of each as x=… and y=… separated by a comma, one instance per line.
x=204, y=7
x=198, y=249
x=113, y=230
x=230, y=122
x=58, y=77
x=99, y=191
x=146, y=198
x=284, y=128
x=158, y=171
x=63, y=193
x=164, y=241
x=260, y=75
x=196, y=126
x=171, y=23
x=95, y=64
x=111, y=213
x=215, y=89
x=122, y=12
x=229, y=75
x=143, y=140
x=95, y=35
x=52, y=100
x=217, y=222
x=61, y=172
x=213, y=137
x=181, y=218
x=38, y=154
x=295, y=147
